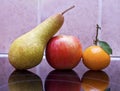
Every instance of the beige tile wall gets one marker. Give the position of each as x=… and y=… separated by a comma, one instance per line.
x=16, y=18
x=111, y=24
x=19, y=16
x=80, y=21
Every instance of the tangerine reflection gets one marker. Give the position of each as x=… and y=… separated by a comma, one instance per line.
x=95, y=81
x=62, y=81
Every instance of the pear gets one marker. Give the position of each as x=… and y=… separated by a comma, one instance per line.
x=27, y=50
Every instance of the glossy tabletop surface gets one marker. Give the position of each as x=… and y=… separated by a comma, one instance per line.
x=45, y=78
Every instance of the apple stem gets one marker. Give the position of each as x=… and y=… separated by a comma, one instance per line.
x=96, y=37
x=68, y=9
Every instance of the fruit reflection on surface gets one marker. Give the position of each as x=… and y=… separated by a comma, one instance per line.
x=95, y=81
x=24, y=81
x=64, y=52
x=95, y=58
x=62, y=81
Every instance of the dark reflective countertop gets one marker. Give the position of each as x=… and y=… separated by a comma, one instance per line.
x=45, y=78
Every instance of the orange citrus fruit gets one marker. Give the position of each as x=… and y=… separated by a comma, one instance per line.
x=95, y=58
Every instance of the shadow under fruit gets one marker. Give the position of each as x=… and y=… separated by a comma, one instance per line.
x=24, y=81
x=62, y=81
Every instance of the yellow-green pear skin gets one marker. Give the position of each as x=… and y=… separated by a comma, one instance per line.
x=27, y=50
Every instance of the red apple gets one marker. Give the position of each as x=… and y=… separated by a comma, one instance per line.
x=63, y=52
x=62, y=81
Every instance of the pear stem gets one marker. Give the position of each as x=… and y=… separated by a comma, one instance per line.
x=96, y=37
x=68, y=9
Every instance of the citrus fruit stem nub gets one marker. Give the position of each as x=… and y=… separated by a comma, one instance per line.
x=96, y=37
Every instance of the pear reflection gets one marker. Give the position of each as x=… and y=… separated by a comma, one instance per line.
x=95, y=81
x=62, y=81
x=24, y=81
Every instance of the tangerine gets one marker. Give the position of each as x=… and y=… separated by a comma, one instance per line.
x=95, y=58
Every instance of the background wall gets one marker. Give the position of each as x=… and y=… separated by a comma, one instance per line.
x=20, y=16
x=16, y=18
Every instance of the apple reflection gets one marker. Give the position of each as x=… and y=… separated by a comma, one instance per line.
x=95, y=81
x=24, y=81
x=62, y=81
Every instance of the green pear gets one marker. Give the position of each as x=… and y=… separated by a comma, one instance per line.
x=27, y=50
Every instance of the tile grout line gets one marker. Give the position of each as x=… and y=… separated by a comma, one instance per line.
x=115, y=58
x=39, y=9
x=3, y=55
x=99, y=17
